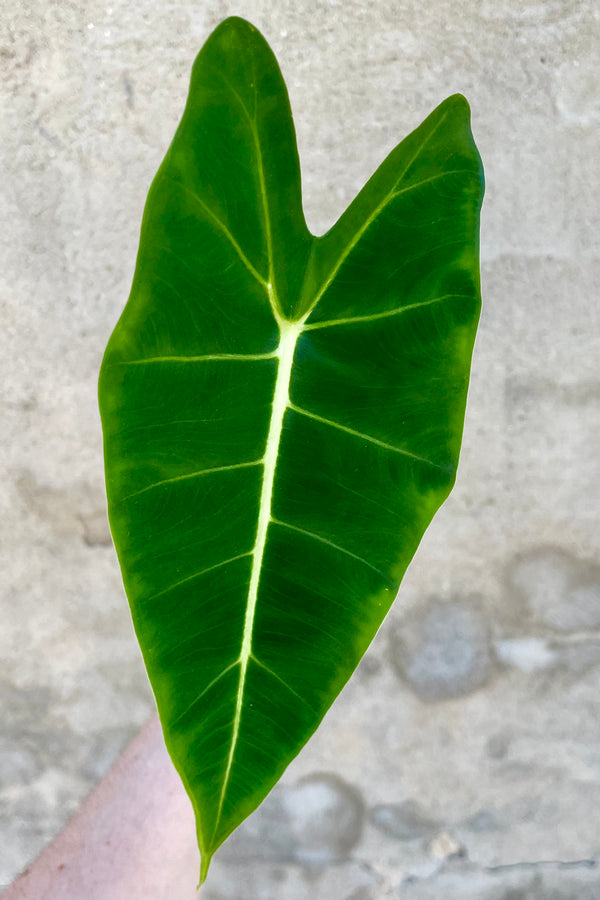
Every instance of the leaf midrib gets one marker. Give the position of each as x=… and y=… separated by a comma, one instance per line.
x=281, y=401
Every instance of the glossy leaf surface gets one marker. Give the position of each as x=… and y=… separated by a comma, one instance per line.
x=282, y=417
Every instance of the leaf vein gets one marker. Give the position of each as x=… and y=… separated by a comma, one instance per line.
x=223, y=228
x=211, y=357
x=172, y=587
x=381, y=315
x=200, y=472
x=205, y=691
x=370, y=219
x=438, y=177
x=269, y=282
x=283, y=682
x=365, y=437
x=323, y=540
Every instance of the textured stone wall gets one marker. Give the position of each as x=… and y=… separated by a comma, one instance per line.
x=463, y=758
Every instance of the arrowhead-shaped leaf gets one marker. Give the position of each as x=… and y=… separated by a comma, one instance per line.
x=282, y=417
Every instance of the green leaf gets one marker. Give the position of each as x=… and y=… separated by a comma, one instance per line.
x=282, y=417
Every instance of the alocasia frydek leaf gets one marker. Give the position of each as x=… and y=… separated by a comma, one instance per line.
x=282, y=417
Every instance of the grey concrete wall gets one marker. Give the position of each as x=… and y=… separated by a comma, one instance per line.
x=463, y=758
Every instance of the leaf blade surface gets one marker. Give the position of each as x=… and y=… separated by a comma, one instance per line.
x=282, y=417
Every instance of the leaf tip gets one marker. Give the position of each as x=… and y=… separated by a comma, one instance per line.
x=231, y=37
x=237, y=22
x=458, y=103
x=457, y=111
